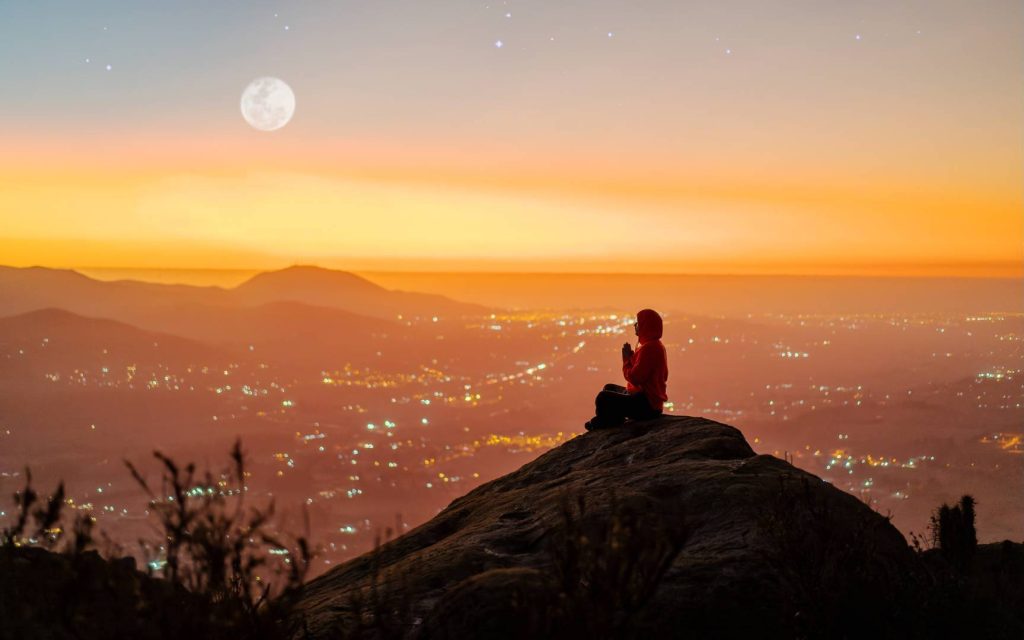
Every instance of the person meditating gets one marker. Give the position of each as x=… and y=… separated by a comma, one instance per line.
x=646, y=374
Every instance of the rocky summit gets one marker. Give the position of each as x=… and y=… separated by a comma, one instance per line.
x=671, y=527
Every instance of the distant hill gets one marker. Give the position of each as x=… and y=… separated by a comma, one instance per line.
x=313, y=285
x=343, y=290
x=29, y=289
x=242, y=325
x=32, y=288
x=283, y=332
x=50, y=338
x=288, y=334
x=302, y=318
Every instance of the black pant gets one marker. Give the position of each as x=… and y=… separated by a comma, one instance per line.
x=614, y=404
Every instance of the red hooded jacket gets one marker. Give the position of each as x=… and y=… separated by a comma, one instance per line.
x=647, y=369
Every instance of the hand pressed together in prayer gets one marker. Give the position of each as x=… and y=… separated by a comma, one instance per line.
x=627, y=351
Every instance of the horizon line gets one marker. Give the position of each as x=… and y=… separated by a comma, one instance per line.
x=1015, y=271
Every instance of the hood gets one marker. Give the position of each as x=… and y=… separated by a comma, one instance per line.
x=648, y=325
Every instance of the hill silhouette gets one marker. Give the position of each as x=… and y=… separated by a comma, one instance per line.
x=138, y=303
x=55, y=337
x=31, y=288
x=342, y=290
x=304, y=280
x=195, y=334
x=284, y=331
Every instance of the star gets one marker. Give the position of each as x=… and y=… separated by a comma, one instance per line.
x=499, y=44
x=109, y=67
x=857, y=36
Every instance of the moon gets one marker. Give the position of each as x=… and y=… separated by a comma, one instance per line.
x=268, y=103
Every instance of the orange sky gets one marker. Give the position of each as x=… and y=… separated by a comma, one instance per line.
x=154, y=205
x=871, y=140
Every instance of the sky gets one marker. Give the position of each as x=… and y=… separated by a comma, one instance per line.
x=611, y=136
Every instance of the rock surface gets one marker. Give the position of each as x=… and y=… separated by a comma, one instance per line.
x=767, y=549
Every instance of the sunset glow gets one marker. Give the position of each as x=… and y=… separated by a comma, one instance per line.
x=801, y=150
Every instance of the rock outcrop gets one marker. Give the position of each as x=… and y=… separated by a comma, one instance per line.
x=684, y=531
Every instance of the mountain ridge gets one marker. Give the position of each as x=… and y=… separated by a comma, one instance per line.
x=27, y=288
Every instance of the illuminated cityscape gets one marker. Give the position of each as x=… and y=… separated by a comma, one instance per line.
x=901, y=410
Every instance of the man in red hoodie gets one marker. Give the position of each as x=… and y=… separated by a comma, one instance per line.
x=646, y=374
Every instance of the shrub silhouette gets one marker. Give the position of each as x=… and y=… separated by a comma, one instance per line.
x=53, y=586
x=220, y=548
x=40, y=522
x=222, y=572
x=953, y=532
x=968, y=590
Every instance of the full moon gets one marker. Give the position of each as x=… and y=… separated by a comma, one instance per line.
x=268, y=103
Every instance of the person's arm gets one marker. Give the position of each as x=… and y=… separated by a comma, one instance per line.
x=639, y=367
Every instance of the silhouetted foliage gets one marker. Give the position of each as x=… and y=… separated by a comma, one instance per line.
x=968, y=590
x=53, y=586
x=215, y=545
x=953, y=532
x=222, y=572
x=38, y=521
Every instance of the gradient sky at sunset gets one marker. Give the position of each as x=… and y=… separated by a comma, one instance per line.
x=725, y=136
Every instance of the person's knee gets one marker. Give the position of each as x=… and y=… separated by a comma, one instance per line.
x=607, y=401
